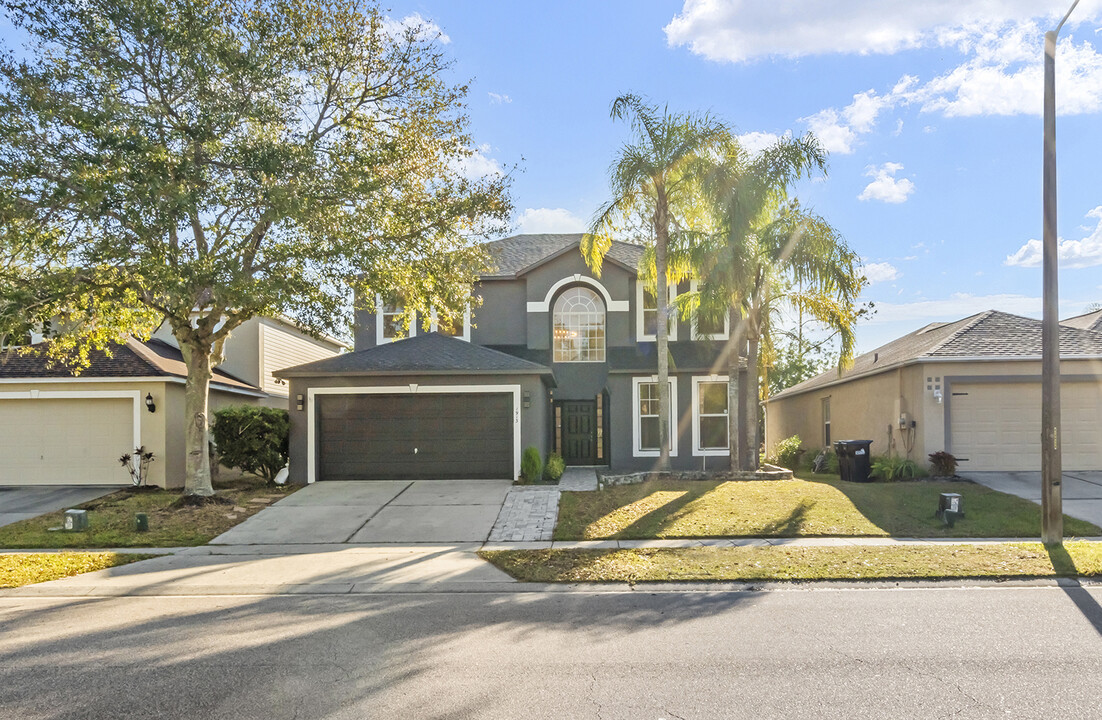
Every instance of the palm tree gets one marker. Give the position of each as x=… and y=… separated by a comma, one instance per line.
x=654, y=177
x=763, y=243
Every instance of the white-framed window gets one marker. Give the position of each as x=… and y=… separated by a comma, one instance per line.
x=578, y=329
x=459, y=327
x=646, y=438
x=646, y=317
x=388, y=321
x=706, y=327
x=826, y=422
x=711, y=416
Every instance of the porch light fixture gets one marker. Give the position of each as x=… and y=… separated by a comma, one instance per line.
x=149, y=405
x=298, y=402
x=938, y=396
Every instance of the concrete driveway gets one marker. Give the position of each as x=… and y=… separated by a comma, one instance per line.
x=1082, y=491
x=422, y=511
x=22, y=502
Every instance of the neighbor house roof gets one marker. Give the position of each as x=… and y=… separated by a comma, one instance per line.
x=1087, y=321
x=134, y=358
x=426, y=354
x=988, y=335
x=514, y=256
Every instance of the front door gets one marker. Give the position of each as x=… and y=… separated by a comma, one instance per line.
x=579, y=435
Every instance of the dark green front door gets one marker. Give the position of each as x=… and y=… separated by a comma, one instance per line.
x=579, y=435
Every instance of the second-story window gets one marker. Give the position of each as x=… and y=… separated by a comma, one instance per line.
x=388, y=320
x=579, y=326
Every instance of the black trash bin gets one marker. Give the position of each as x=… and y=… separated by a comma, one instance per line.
x=854, y=464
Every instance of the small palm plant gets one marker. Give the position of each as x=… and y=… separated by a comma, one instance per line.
x=137, y=464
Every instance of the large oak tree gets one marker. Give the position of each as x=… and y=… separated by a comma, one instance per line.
x=201, y=162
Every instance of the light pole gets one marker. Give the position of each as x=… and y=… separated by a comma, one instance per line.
x=1052, y=511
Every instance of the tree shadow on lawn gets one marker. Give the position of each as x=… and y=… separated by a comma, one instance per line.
x=907, y=509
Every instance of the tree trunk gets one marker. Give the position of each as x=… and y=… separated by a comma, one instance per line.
x=753, y=403
x=734, y=400
x=661, y=227
x=197, y=480
x=743, y=413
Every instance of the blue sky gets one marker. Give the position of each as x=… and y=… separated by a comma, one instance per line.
x=931, y=112
x=934, y=129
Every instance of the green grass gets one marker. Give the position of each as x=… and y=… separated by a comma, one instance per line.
x=24, y=569
x=111, y=519
x=1012, y=560
x=820, y=506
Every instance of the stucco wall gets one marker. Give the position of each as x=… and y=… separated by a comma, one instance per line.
x=534, y=420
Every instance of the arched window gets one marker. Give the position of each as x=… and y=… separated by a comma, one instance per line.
x=579, y=326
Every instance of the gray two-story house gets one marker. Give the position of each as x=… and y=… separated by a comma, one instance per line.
x=554, y=357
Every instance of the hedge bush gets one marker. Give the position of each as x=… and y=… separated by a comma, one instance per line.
x=252, y=438
x=531, y=467
x=554, y=468
x=787, y=452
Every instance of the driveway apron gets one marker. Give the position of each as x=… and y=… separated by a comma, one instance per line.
x=421, y=511
x=1082, y=491
x=23, y=502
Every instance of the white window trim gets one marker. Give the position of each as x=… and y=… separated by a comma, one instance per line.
x=412, y=388
x=610, y=304
x=713, y=336
x=604, y=328
x=636, y=436
x=639, y=324
x=466, y=324
x=379, y=338
x=697, y=450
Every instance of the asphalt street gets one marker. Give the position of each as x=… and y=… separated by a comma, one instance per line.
x=827, y=653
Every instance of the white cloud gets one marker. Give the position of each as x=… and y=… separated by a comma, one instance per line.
x=837, y=130
x=499, y=99
x=1072, y=253
x=878, y=272
x=479, y=164
x=742, y=30
x=755, y=142
x=549, y=220
x=424, y=29
x=885, y=187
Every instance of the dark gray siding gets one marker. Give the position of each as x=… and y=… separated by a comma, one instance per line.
x=534, y=420
x=500, y=319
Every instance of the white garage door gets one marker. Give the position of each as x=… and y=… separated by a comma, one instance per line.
x=997, y=426
x=65, y=441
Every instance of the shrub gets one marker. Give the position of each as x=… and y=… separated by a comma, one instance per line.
x=252, y=438
x=943, y=464
x=554, y=468
x=787, y=452
x=530, y=464
x=890, y=469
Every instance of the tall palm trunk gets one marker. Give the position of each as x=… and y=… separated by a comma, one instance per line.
x=734, y=395
x=661, y=332
x=753, y=404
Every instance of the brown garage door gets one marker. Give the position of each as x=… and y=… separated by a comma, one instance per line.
x=409, y=437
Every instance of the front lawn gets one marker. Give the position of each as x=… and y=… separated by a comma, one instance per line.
x=823, y=506
x=111, y=518
x=24, y=569
x=1016, y=560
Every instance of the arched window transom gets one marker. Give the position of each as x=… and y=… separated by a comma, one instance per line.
x=579, y=326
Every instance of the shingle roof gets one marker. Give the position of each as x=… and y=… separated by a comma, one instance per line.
x=153, y=358
x=1088, y=321
x=990, y=334
x=427, y=354
x=515, y=255
x=684, y=357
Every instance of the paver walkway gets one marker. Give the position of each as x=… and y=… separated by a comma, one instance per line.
x=530, y=512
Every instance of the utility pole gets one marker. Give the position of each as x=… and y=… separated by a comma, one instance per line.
x=1052, y=510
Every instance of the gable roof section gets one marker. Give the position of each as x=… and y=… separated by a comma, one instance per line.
x=426, y=354
x=992, y=334
x=1087, y=321
x=517, y=255
x=136, y=359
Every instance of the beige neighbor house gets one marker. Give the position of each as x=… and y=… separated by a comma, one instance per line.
x=970, y=387
x=61, y=429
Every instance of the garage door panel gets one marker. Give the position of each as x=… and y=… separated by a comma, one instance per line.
x=439, y=435
x=997, y=426
x=55, y=441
